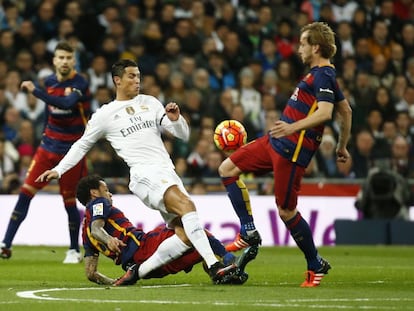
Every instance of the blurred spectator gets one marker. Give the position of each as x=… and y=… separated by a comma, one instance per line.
x=41, y=57
x=196, y=160
x=4, y=104
x=35, y=113
x=362, y=55
x=13, y=93
x=201, y=83
x=407, y=101
x=162, y=74
x=12, y=121
x=219, y=76
x=150, y=9
x=381, y=73
x=383, y=102
x=175, y=92
x=362, y=153
x=24, y=35
x=99, y=74
x=187, y=66
x=345, y=37
x=25, y=66
x=172, y=52
x=286, y=82
x=189, y=41
x=223, y=106
x=101, y=96
x=7, y=165
x=407, y=39
x=238, y=113
x=398, y=88
x=7, y=46
x=201, y=57
x=397, y=59
x=380, y=42
x=326, y=158
x=136, y=51
x=268, y=55
x=85, y=22
x=167, y=19
x=11, y=19
x=360, y=24
x=343, y=10
x=249, y=98
x=109, y=50
x=401, y=158
x=153, y=38
x=65, y=27
x=404, y=125
x=214, y=159
x=192, y=108
x=45, y=21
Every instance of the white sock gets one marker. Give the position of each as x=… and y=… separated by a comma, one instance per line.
x=198, y=237
x=168, y=250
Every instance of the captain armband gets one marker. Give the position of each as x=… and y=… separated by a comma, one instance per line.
x=77, y=91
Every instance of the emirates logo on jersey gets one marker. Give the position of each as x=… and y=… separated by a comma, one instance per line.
x=130, y=110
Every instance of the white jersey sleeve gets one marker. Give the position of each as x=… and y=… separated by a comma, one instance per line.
x=94, y=130
x=178, y=128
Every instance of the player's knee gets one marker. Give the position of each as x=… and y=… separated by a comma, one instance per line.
x=286, y=214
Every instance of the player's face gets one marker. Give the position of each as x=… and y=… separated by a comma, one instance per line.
x=129, y=83
x=104, y=191
x=305, y=49
x=64, y=63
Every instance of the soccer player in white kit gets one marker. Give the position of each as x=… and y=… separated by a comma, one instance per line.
x=133, y=123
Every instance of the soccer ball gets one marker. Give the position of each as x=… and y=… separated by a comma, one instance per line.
x=229, y=135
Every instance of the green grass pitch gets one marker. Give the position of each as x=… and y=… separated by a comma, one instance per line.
x=362, y=278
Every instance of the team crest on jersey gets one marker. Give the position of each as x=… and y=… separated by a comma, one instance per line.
x=97, y=209
x=130, y=110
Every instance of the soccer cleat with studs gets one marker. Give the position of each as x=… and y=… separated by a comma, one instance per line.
x=130, y=277
x=5, y=251
x=313, y=278
x=244, y=241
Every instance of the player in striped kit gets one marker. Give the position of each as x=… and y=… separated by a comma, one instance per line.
x=68, y=110
x=290, y=145
x=106, y=230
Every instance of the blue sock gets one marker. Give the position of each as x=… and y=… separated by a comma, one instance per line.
x=301, y=233
x=240, y=199
x=219, y=250
x=74, y=225
x=18, y=215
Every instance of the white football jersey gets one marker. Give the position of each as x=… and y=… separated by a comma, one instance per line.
x=133, y=127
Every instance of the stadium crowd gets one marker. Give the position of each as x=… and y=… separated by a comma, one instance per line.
x=218, y=60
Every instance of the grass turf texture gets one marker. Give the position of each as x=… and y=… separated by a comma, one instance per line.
x=363, y=277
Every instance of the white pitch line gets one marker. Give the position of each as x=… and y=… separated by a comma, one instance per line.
x=41, y=294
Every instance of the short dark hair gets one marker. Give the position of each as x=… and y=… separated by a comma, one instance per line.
x=85, y=185
x=65, y=46
x=118, y=68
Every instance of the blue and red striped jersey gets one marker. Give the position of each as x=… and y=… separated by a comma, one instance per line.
x=68, y=110
x=116, y=225
x=318, y=85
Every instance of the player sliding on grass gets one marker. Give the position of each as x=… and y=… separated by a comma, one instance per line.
x=133, y=124
x=290, y=145
x=106, y=230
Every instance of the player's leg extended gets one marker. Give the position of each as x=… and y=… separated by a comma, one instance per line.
x=27, y=192
x=286, y=194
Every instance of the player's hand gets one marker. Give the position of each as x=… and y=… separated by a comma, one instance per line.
x=47, y=176
x=281, y=129
x=115, y=245
x=342, y=155
x=173, y=111
x=27, y=86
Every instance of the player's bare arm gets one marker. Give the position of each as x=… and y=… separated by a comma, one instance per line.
x=344, y=116
x=91, y=271
x=321, y=115
x=99, y=233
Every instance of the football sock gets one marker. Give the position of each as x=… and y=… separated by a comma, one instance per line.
x=302, y=234
x=168, y=250
x=240, y=199
x=74, y=225
x=18, y=215
x=198, y=237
